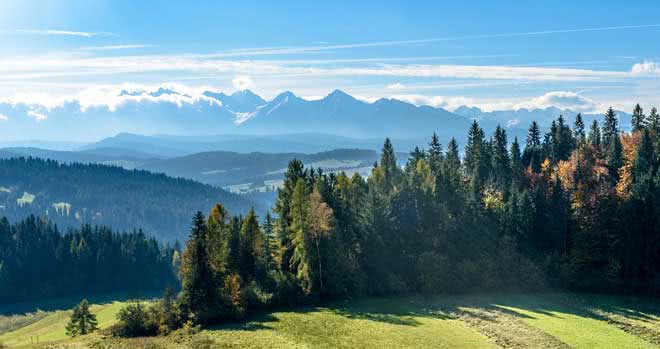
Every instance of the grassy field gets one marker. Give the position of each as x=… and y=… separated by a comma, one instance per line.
x=485, y=321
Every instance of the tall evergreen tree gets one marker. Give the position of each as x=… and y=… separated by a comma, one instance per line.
x=610, y=129
x=654, y=120
x=516, y=161
x=435, y=154
x=638, y=119
x=532, y=154
x=198, y=291
x=578, y=129
x=594, y=135
x=82, y=320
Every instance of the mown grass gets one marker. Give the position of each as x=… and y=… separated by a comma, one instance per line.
x=485, y=321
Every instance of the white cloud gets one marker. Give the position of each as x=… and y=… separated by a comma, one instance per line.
x=37, y=115
x=558, y=99
x=562, y=100
x=321, y=48
x=3, y=117
x=58, y=32
x=242, y=82
x=114, y=96
x=114, y=47
x=396, y=86
x=646, y=68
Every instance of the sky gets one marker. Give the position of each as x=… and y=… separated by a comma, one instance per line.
x=496, y=55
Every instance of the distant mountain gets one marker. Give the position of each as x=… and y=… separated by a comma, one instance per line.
x=125, y=200
x=241, y=102
x=168, y=111
x=174, y=146
x=249, y=123
x=341, y=114
x=521, y=118
x=260, y=171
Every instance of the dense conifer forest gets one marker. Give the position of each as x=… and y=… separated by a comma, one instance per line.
x=576, y=208
x=72, y=194
x=37, y=261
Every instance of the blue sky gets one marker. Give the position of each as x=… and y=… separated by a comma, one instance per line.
x=492, y=54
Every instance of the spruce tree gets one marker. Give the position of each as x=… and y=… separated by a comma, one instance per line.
x=578, y=130
x=532, y=153
x=516, y=161
x=654, y=120
x=198, y=290
x=610, y=129
x=252, y=247
x=638, y=119
x=435, y=154
x=594, y=135
x=82, y=320
x=501, y=158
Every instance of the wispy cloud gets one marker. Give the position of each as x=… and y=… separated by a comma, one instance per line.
x=320, y=48
x=558, y=99
x=35, y=67
x=114, y=47
x=60, y=32
x=37, y=115
x=3, y=117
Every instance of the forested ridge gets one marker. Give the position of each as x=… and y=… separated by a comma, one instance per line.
x=72, y=194
x=37, y=261
x=576, y=208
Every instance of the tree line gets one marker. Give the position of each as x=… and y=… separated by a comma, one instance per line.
x=576, y=208
x=37, y=261
x=72, y=194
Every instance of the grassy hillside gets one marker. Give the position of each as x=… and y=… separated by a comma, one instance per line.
x=509, y=321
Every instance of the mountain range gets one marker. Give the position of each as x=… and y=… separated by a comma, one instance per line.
x=172, y=112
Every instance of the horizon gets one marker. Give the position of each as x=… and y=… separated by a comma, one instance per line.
x=440, y=55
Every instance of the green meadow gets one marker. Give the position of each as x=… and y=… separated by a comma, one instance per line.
x=478, y=321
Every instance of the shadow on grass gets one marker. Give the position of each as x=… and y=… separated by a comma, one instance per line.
x=66, y=303
x=408, y=311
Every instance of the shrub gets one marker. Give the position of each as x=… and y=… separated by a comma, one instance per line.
x=135, y=321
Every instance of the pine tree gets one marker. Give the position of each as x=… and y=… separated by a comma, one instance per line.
x=474, y=147
x=578, y=130
x=252, y=247
x=516, y=161
x=270, y=244
x=82, y=320
x=501, y=159
x=532, y=154
x=638, y=119
x=198, y=291
x=654, y=120
x=594, y=135
x=615, y=158
x=610, y=129
x=389, y=166
x=435, y=154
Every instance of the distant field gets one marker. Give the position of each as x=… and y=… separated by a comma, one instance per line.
x=503, y=321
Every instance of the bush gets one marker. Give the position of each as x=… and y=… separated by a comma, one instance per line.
x=135, y=321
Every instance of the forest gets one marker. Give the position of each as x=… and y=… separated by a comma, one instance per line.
x=72, y=194
x=38, y=262
x=573, y=209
